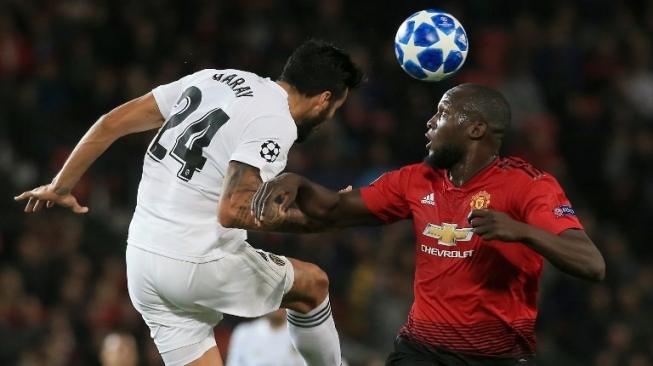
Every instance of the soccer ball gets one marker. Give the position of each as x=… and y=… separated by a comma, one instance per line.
x=431, y=45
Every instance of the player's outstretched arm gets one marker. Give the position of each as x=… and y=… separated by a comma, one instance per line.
x=333, y=209
x=572, y=251
x=240, y=184
x=140, y=114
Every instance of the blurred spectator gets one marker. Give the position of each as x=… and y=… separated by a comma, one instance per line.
x=263, y=341
x=119, y=350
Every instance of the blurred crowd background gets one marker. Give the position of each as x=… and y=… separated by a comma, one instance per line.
x=578, y=75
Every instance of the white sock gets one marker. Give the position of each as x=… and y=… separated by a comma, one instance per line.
x=315, y=336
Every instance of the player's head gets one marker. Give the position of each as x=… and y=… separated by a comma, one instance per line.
x=323, y=75
x=468, y=115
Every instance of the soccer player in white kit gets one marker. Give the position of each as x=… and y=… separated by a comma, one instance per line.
x=221, y=134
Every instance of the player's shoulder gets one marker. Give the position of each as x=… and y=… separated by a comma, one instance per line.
x=422, y=170
x=245, y=84
x=520, y=171
x=414, y=172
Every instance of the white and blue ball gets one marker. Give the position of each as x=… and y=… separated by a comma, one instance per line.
x=431, y=45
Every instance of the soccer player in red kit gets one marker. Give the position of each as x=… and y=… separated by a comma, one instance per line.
x=483, y=225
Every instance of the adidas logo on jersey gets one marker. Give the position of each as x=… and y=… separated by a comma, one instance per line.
x=429, y=199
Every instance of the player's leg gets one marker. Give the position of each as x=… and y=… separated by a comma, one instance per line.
x=407, y=353
x=194, y=355
x=162, y=291
x=251, y=283
x=209, y=358
x=310, y=323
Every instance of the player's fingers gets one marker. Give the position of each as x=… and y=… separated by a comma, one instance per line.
x=478, y=213
x=267, y=201
x=482, y=230
x=281, y=215
x=38, y=205
x=23, y=196
x=29, y=207
x=256, y=198
x=50, y=204
x=346, y=189
x=76, y=207
x=288, y=200
x=479, y=221
x=265, y=196
x=489, y=236
x=80, y=209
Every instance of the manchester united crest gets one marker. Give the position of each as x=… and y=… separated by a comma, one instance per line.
x=480, y=200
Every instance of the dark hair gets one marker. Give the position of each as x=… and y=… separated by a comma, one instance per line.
x=479, y=101
x=317, y=66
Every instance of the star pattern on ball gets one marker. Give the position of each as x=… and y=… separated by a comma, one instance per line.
x=410, y=54
x=431, y=45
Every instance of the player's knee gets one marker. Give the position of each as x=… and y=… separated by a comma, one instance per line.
x=310, y=289
x=318, y=286
x=321, y=283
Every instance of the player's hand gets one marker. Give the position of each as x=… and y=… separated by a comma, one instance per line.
x=496, y=225
x=273, y=198
x=47, y=196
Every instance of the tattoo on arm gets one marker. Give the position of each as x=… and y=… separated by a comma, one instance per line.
x=62, y=191
x=241, y=182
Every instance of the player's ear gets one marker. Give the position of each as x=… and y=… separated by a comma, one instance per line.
x=323, y=99
x=477, y=129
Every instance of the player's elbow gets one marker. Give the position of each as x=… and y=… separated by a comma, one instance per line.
x=592, y=269
x=596, y=270
x=226, y=216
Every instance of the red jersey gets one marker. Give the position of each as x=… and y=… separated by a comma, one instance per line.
x=472, y=296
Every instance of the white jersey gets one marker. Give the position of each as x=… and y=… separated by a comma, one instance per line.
x=256, y=343
x=211, y=118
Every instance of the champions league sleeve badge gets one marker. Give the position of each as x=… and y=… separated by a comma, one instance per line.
x=270, y=151
x=563, y=210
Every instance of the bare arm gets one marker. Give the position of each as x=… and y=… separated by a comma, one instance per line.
x=140, y=114
x=572, y=251
x=240, y=185
x=333, y=209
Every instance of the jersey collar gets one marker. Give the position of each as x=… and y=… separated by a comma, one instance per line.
x=479, y=176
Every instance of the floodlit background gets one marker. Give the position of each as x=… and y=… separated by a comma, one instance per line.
x=578, y=76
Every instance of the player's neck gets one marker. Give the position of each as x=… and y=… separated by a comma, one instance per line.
x=296, y=101
x=468, y=167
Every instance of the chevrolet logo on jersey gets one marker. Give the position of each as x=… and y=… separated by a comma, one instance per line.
x=448, y=234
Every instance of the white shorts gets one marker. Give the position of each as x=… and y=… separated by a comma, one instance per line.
x=182, y=301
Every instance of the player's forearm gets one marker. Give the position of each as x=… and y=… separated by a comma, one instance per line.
x=88, y=149
x=236, y=213
x=139, y=114
x=573, y=254
x=317, y=201
x=297, y=222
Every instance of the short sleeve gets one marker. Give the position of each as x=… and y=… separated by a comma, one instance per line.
x=385, y=197
x=543, y=204
x=265, y=144
x=166, y=96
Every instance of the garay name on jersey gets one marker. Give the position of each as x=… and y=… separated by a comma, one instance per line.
x=232, y=82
